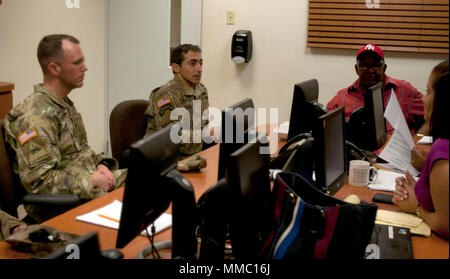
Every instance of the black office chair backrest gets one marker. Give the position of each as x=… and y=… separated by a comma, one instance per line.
x=9, y=195
x=127, y=124
x=12, y=193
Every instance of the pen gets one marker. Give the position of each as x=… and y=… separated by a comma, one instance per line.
x=109, y=218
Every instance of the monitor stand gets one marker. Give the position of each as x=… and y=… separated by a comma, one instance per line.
x=213, y=221
x=184, y=219
x=144, y=253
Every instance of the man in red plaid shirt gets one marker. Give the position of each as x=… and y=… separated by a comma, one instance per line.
x=371, y=68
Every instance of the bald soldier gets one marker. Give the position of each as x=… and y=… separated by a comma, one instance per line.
x=180, y=92
x=52, y=155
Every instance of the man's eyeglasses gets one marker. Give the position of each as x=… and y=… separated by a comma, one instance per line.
x=375, y=67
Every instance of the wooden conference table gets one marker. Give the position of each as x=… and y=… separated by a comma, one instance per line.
x=433, y=247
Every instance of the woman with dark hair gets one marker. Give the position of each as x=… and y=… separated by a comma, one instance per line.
x=429, y=196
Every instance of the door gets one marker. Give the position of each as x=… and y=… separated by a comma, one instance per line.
x=138, y=46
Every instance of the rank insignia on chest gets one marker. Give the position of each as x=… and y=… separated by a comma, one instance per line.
x=35, y=149
x=27, y=135
x=163, y=101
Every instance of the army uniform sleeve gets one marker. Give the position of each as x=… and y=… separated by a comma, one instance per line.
x=158, y=112
x=111, y=163
x=205, y=104
x=38, y=159
x=150, y=112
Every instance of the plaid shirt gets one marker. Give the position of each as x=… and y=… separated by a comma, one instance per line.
x=410, y=100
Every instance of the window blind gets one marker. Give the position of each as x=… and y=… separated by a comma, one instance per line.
x=395, y=25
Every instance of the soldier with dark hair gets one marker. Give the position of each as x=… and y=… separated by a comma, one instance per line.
x=180, y=92
x=52, y=155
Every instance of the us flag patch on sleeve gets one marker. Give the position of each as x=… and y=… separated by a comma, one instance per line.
x=27, y=135
x=163, y=101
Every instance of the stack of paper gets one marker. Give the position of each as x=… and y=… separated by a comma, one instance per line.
x=385, y=181
x=416, y=225
x=282, y=130
x=109, y=216
x=425, y=140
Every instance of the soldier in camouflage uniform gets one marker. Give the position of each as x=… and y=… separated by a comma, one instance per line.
x=52, y=155
x=180, y=92
x=9, y=224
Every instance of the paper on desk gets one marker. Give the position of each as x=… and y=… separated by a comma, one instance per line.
x=390, y=167
x=113, y=211
x=425, y=140
x=398, y=149
x=413, y=222
x=282, y=130
x=385, y=181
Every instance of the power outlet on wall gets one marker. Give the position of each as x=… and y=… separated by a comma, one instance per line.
x=230, y=17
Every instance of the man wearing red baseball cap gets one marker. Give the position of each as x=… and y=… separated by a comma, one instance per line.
x=370, y=68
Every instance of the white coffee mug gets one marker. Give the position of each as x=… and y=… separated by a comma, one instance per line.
x=361, y=173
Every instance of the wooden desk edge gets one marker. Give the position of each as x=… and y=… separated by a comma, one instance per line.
x=202, y=181
x=6, y=87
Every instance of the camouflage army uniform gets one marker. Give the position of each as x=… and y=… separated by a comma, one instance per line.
x=50, y=143
x=7, y=224
x=176, y=94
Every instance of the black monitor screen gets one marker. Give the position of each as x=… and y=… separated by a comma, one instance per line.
x=145, y=198
x=366, y=125
x=377, y=102
x=248, y=183
x=330, y=151
x=237, y=121
x=152, y=184
x=305, y=107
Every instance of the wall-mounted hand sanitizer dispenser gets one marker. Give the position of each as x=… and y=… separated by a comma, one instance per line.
x=242, y=46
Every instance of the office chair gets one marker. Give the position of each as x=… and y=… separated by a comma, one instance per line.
x=127, y=124
x=12, y=193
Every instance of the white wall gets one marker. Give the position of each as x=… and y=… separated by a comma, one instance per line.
x=281, y=58
x=23, y=23
x=191, y=21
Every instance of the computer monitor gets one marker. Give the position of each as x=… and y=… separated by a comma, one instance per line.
x=330, y=151
x=240, y=202
x=238, y=121
x=152, y=184
x=249, y=199
x=366, y=125
x=305, y=107
x=375, y=105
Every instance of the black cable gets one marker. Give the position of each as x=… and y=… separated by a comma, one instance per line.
x=151, y=238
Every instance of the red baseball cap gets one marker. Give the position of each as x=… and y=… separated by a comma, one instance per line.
x=370, y=48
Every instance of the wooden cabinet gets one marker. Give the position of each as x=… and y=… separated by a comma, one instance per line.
x=6, y=99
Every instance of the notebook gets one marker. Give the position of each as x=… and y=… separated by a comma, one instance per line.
x=109, y=216
x=389, y=242
x=401, y=219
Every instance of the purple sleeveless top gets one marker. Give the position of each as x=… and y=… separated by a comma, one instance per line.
x=439, y=150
